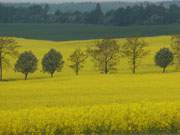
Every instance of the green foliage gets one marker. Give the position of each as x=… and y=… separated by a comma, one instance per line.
x=96, y=16
x=8, y=48
x=136, y=14
x=106, y=55
x=163, y=58
x=26, y=63
x=134, y=50
x=77, y=59
x=175, y=46
x=52, y=62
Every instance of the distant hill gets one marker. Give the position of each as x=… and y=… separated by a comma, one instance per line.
x=88, y=6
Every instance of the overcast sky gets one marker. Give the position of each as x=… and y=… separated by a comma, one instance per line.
x=61, y=1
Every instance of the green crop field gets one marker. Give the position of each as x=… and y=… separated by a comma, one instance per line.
x=59, y=32
x=118, y=103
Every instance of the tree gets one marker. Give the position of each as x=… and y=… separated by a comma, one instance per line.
x=52, y=62
x=8, y=48
x=95, y=16
x=26, y=63
x=163, y=58
x=77, y=59
x=98, y=14
x=106, y=55
x=134, y=50
x=138, y=14
x=45, y=12
x=176, y=49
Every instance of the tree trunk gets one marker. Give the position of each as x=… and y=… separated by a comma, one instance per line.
x=52, y=75
x=77, y=69
x=164, y=70
x=26, y=75
x=77, y=72
x=133, y=64
x=0, y=67
x=134, y=68
x=106, y=68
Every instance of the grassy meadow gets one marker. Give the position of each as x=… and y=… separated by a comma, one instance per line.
x=118, y=103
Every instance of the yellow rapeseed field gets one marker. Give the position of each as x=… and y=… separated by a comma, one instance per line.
x=148, y=118
x=118, y=103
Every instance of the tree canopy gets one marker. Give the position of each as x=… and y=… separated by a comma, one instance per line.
x=134, y=50
x=175, y=46
x=8, y=48
x=26, y=63
x=77, y=59
x=144, y=14
x=163, y=58
x=52, y=62
x=106, y=55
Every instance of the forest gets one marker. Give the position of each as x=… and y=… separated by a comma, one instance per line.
x=144, y=14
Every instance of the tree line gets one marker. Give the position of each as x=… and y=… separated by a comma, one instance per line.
x=106, y=54
x=145, y=14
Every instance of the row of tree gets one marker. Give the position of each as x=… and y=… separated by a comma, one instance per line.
x=135, y=15
x=105, y=54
